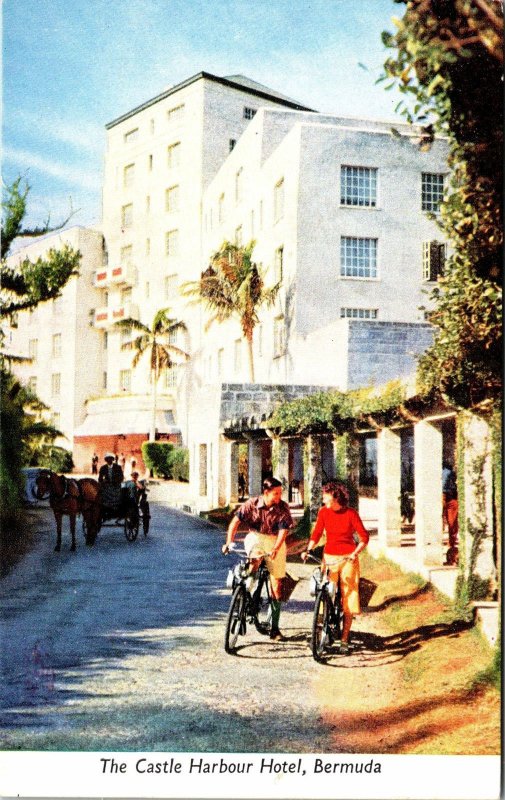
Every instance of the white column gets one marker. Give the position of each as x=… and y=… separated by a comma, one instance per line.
x=476, y=544
x=428, y=493
x=255, y=466
x=228, y=472
x=314, y=483
x=389, y=486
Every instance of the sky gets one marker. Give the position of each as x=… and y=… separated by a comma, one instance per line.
x=71, y=66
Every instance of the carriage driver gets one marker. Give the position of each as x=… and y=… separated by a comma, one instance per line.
x=110, y=472
x=269, y=520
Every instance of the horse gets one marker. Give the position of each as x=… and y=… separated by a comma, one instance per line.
x=70, y=497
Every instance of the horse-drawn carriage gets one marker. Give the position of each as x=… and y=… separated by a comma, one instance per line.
x=106, y=504
x=126, y=506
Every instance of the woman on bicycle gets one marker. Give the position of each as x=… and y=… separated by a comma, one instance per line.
x=270, y=520
x=341, y=551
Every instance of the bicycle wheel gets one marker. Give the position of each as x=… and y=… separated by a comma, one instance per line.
x=131, y=525
x=263, y=606
x=320, y=625
x=235, y=622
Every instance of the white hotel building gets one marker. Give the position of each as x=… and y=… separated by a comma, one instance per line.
x=338, y=209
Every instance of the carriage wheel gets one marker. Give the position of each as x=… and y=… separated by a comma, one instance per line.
x=146, y=517
x=131, y=525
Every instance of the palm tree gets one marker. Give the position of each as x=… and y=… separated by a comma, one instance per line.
x=232, y=286
x=155, y=342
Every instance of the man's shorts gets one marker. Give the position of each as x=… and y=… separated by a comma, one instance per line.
x=255, y=544
x=348, y=574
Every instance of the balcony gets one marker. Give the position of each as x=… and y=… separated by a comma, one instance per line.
x=106, y=316
x=114, y=276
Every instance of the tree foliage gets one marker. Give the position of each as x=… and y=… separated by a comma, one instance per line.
x=448, y=64
x=233, y=286
x=25, y=434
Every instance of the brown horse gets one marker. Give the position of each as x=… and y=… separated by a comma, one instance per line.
x=68, y=496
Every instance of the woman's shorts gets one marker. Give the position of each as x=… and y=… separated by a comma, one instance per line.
x=255, y=544
x=348, y=573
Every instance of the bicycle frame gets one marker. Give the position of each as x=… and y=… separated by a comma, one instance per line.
x=327, y=618
x=251, y=601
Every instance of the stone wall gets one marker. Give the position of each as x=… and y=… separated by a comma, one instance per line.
x=383, y=351
x=252, y=403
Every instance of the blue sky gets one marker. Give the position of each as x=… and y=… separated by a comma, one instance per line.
x=70, y=66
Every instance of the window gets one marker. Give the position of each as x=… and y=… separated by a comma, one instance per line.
x=151, y=126
x=239, y=185
x=237, y=355
x=358, y=257
x=32, y=348
x=173, y=336
x=359, y=313
x=238, y=236
x=252, y=224
x=172, y=199
x=278, y=264
x=220, y=361
x=148, y=247
x=249, y=112
x=358, y=186
x=279, y=200
x=32, y=384
x=127, y=216
x=148, y=204
x=104, y=380
x=56, y=345
x=131, y=136
x=55, y=384
x=279, y=336
x=170, y=286
x=150, y=163
x=128, y=175
x=105, y=340
x=148, y=290
x=432, y=191
x=174, y=155
x=231, y=144
x=175, y=113
x=171, y=376
x=126, y=296
x=126, y=254
x=125, y=380
x=220, y=208
x=126, y=335
x=56, y=420
x=434, y=255
x=260, y=340
x=172, y=243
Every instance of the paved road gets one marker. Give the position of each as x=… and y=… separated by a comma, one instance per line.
x=119, y=647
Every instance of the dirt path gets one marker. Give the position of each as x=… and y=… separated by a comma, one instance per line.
x=119, y=647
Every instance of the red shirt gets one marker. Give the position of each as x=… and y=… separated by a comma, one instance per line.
x=339, y=526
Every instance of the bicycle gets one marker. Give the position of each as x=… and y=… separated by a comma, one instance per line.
x=328, y=612
x=251, y=601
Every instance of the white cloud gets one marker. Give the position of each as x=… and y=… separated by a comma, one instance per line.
x=72, y=176
x=80, y=134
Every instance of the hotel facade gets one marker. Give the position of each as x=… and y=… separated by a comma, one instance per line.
x=341, y=212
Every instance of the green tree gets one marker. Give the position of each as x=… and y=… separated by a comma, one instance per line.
x=448, y=64
x=23, y=286
x=155, y=342
x=232, y=286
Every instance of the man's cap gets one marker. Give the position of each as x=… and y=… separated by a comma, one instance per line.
x=108, y=455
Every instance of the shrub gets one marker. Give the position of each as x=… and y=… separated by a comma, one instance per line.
x=157, y=457
x=180, y=464
x=53, y=457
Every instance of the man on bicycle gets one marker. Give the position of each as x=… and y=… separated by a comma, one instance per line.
x=341, y=551
x=269, y=519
